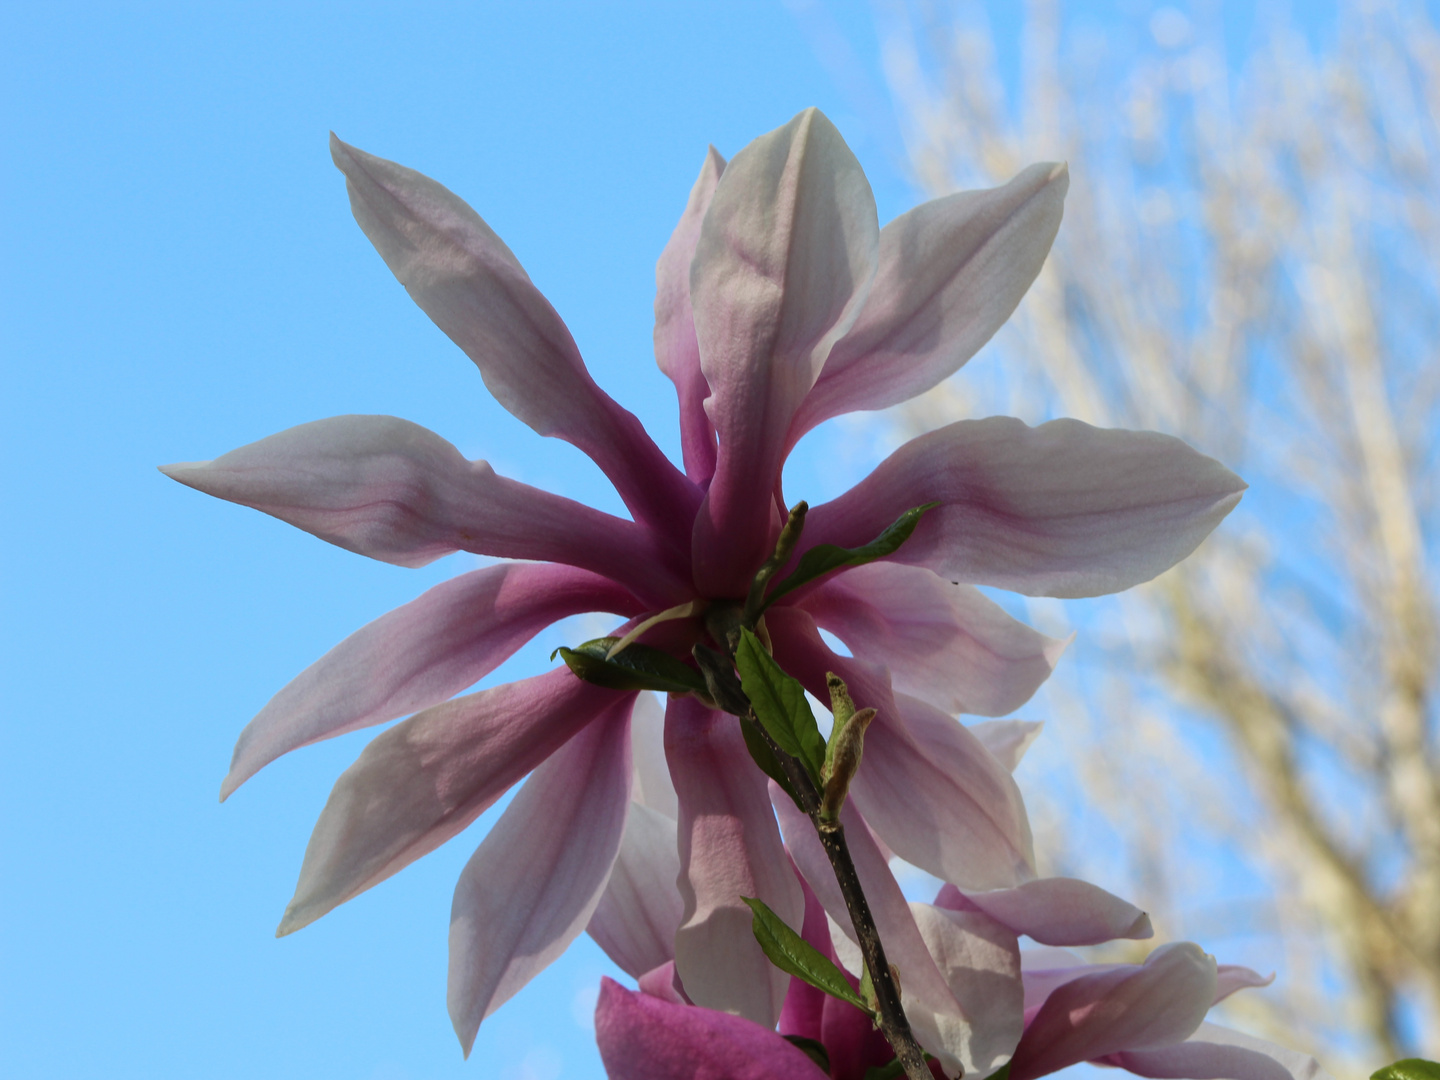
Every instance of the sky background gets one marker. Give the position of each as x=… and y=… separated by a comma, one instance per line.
x=181, y=276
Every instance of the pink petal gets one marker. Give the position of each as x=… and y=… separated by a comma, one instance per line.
x=1045, y=968
x=1055, y=911
x=945, y=643
x=927, y=787
x=662, y=982
x=464, y=277
x=1230, y=978
x=1007, y=740
x=653, y=787
x=729, y=848
x=391, y=490
x=532, y=885
x=942, y=802
x=636, y=920
x=422, y=781
x=1141, y=1007
x=1063, y=509
x=785, y=255
x=676, y=348
x=420, y=654
x=1217, y=1053
x=644, y=1038
x=950, y=272
x=941, y=1023
x=803, y=653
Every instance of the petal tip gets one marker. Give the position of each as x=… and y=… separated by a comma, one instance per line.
x=293, y=919
x=1057, y=647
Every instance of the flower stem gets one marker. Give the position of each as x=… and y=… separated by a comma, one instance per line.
x=891, y=1021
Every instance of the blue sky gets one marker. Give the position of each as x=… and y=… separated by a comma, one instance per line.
x=181, y=276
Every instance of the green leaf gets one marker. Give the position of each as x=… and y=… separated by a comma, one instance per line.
x=1002, y=1073
x=779, y=704
x=794, y=955
x=867, y=990
x=637, y=667
x=823, y=558
x=1409, y=1069
x=814, y=1050
x=763, y=756
x=885, y=1072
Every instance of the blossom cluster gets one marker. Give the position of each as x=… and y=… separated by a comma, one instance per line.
x=781, y=303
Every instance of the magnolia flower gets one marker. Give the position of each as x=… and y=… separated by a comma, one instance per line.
x=780, y=303
x=1042, y=1009
x=1144, y=1018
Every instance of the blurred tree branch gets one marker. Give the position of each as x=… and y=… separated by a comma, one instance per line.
x=1250, y=260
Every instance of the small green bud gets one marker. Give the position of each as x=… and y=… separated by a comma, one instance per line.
x=842, y=761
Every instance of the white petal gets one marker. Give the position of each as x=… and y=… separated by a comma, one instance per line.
x=636, y=920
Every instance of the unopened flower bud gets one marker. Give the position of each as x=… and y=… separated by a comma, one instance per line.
x=847, y=744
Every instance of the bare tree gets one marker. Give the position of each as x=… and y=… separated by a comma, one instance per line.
x=1250, y=259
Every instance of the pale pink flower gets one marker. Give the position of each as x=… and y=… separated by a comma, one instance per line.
x=780, y=303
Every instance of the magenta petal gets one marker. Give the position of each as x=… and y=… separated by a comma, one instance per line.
x=1063, y=509
x=677, y=350
x=535, y=879
x=420, y=654
x=1217, y=1053
x=1131, y=1007
x=422, y=781
x=464, y=277
x=729, y=848
x=636, y=920
x=1056, y=911
x=804, y=1008
x=851, y=1039
x=785, y=255
x=944, y=643
x=391, y=490
x=950, y=272
x=644, y=1038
